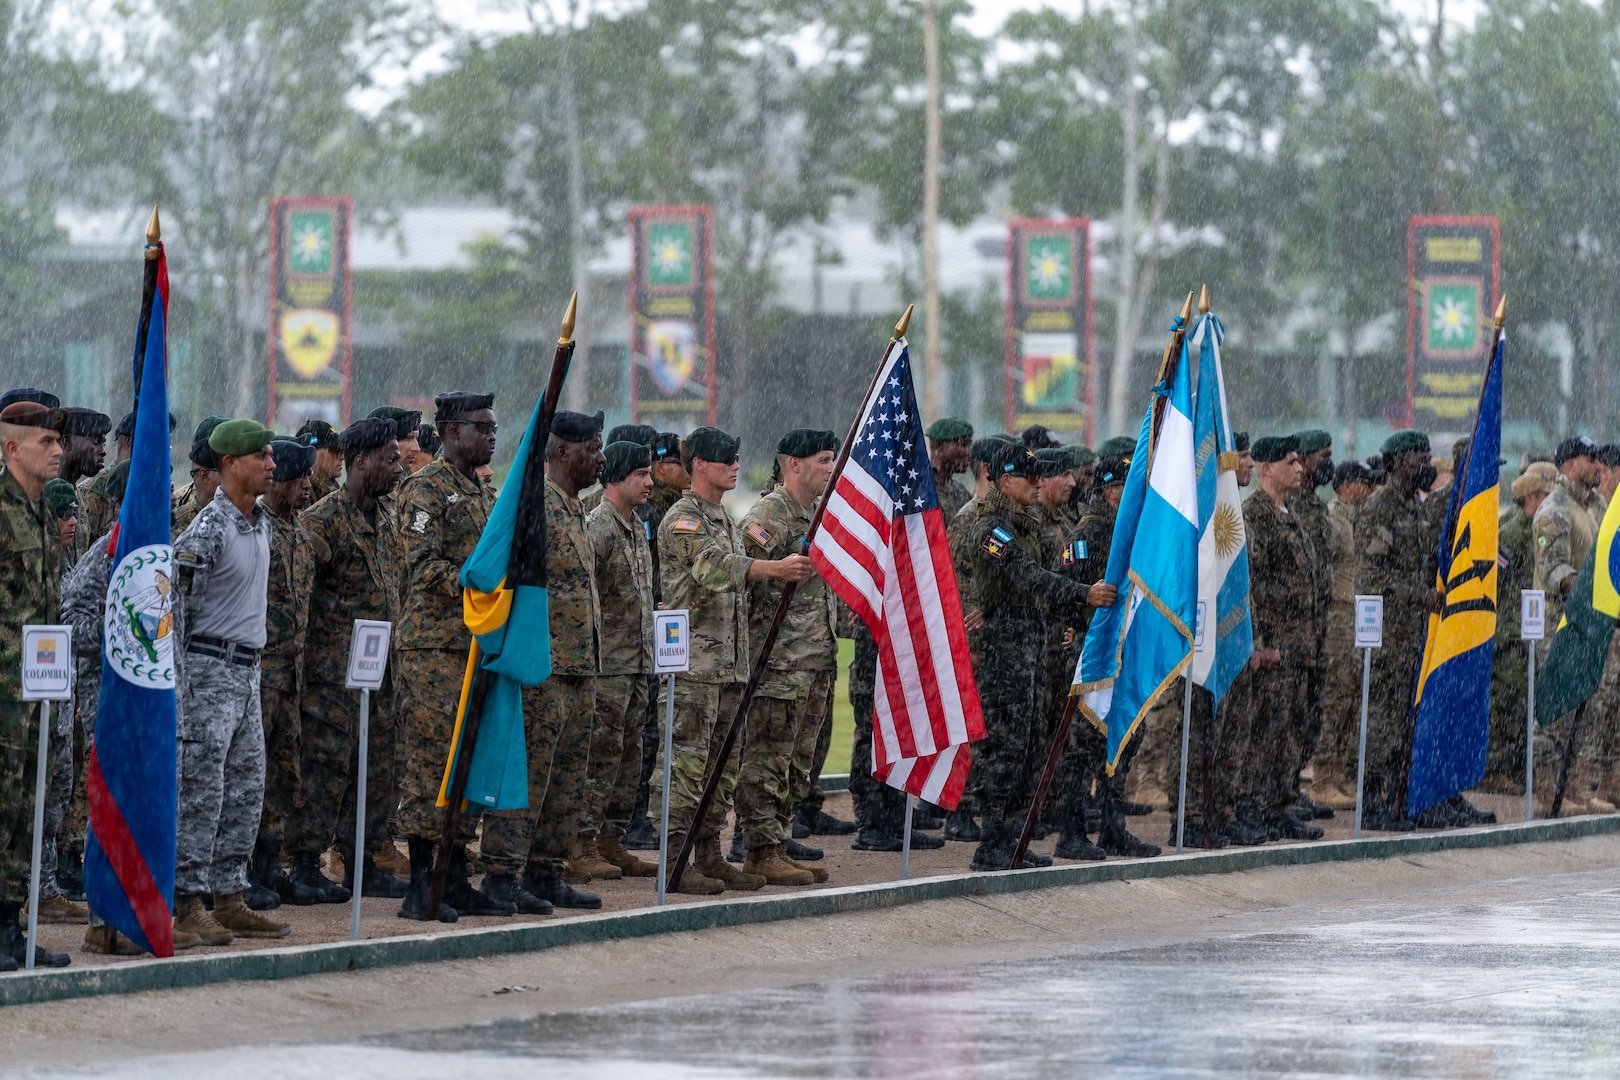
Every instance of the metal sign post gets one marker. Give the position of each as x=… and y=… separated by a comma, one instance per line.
x=47, y=676
x=1369, y=636
x=1186, y=725
x=368, y=660
x=1532, y=628
x=672, y=653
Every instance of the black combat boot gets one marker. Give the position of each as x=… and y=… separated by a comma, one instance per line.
x=267, y=857
x=802, y=852
x=306, y=871
x=261, y=894
x=545, y=882
x=467, y=900
x=928, y=816
x=420, y=889
x=959, y=825
x=1072, y=842
x=738, y=851
x=995, y=850
x=821, y=823
x=16, y=942
x=373, y=882
x=1289, y=827
x=70, y=875
x=920, y=841
x=505, y=888
x=1115, y=839
x=875, y=838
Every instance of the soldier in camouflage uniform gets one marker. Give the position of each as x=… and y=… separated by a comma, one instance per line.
x=705, y=570
x=84, y=454
x=794, y=698
x=1516, y=568
x=1054, y=521
x=1309, y=508
x=222, y=574
x=950, y=447
x=406, y=424
x=1332, y=774
x=323, y=478
x=30, y=578
x=443, y=510
x=204, y=476
x=1396, y=545
x=356, y=545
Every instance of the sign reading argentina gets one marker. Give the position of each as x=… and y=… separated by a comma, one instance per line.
x=139, y=621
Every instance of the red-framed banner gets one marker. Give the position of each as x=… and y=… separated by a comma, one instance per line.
x=1453, y=279
x=1050, y=362
x=309, y=338
x=672, y=330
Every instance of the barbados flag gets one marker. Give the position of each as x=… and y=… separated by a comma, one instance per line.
x=1135, y=649
x=1574, y=665
x=131, y=775
x=1452, y=702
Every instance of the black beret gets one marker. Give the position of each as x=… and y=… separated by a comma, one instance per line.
x=126, y=425
x=1054, y=460
x=1352, y=472
x=712, y=444
x=1270, y=448
x=368, y=434
x=319, y=434
x=87, y=422
x=666, y=445
x=1312, y=439
x=427, y=438
x=458, y=403
x=405, y=421
x=806, y=442
x=1120, y=446
x=623, y=458
x=1014, y=461
x=33, y=414
x=641, y=433
x=1240, y=440
x=1573, y=447
x=292, y=460
x=575, y=426
x=1608, y=455
x=28, y=393
x=948, y=428
x=203, y=454
x=1112, y=470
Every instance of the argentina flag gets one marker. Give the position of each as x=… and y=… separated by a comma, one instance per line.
x=1135, y=649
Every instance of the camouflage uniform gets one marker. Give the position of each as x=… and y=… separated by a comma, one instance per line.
x=793, y=701
x=442, y=515
x=1283, y=600
x=1307, y=506
x=877, y=805
x=30, y=581
x=320, y=489
x=952, y=495
x=1515, y=572
x=704, y=569
x=1052, y=531
x=357, y=576
x=1084, y=756
x=1565, y=529
x=101, y=497
x=84, y=601
x=220, y=728
x=185, y=511
x=1396, y=546
x=1341, y=696
x=560, y=712
x=624, y=583
x=281, y=671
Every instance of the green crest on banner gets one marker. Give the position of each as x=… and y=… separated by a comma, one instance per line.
x=669, y=254
x=309, y=242
x=1049, y=268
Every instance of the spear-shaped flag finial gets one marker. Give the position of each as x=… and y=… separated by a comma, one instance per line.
x=154, y=233
x=905, y=321
x=568, y=320
x=1500, y=319
x=1203, y=300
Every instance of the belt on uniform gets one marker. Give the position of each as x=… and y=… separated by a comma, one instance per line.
x=220, y=649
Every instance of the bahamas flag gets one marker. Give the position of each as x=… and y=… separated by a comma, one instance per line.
x=1135, y=649
x=1223, y=550
x=1574, y=664
x=1452, y=704
x=504, y=603
x=131, y=775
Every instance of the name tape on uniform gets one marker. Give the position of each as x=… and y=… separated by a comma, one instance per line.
x=1532, y=614
x=368, y=654
x=1369, y=622
x=672, y=642
x=47, y=663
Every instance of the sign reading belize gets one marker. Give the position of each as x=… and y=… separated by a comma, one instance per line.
x=1050, y=373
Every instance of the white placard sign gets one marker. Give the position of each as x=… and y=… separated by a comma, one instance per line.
x=1532, y=614
x=368, y=654
x=1369, y=622
x=47, y=663
x=1198, y=632
x=672, y=642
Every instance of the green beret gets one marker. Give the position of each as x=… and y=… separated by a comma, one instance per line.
x=1313, y=439
x=206, y=428
x=712, y=444
x=1054, y=460
x=1014, y=460
x=984, y=449
x=1240, y=441
x=406, y=421
x=1082, y=455
x=1271, y=448
x=60, y=495
x=235, y=438
x=1402, y=441
x=1120, y=446
x=623, y=458
x=806, y=442
x=947, y=428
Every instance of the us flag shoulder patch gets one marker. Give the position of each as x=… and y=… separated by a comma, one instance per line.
x=685, y=525
x=759, y=534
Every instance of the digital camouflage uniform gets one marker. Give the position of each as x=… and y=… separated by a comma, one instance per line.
x=703, y=568
x=442, y=515
x=357, y=576
x=1052, y=531
x=559, y=713
x=1341, y=695
x=320, y=489
x=1515, y=572
x=624, y=585
x=952, y=495
x=1083, y=762
x=1396, y=546
x=84, y=601
x=1565, y=528
x=185, y=511
x=30, y=582
x=220, y=727
x=281, y=671
x=793, y=702
x=877, y=805
x=1306, y=505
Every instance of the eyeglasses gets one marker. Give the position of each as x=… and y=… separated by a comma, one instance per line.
x=198, y=472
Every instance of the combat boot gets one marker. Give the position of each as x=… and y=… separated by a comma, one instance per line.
x=612, y=849
x=821, y=823
x=802, y=852
x=373, y=881
x=959, y=825
x=1072, y=844
x=460, y=894
x=766, y=865
x=191, y=917
x=996, y=849
x=574, y=874
x=693, y=881
x=875, y=838
x=1244, y=833
x=59, y=909
x=306, y=871
x=590, y=860
x=231, y=912
x=706, y=857
x=739, y=850
x=390, y=861
x=14, y=943
x=817, y=872
x=267, y=857
x=1289, y=827
x=420, y=889
x=641, y=834
x=506, y=889
x=548, y=884
x=1115, y=839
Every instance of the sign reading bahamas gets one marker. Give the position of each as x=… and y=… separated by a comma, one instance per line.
x=139, y=622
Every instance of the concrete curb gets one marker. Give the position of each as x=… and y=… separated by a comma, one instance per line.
x=294, y=961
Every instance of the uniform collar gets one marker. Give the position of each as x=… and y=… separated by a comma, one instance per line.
x=243, y=524
x=571, y=503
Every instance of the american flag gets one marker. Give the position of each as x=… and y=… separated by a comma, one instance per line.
x=882, y=549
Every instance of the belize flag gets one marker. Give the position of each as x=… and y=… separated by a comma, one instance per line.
x=131, y=775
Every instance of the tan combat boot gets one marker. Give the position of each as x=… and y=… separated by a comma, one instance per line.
x=59, y=909
x=575, y=874
x=811, y=868
x=390, y=860
x=1591, y=777
x=191, y=917
x=768, y=863
x=693, y=881
x=243, y=921
x=613, y=850
x=707, y=858
x=590, y=861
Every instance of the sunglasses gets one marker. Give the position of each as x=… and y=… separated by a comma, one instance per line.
x=483, y=427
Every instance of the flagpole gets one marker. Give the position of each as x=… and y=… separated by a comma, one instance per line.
x=1060, y=736
x=533, y=488
x=149, y=288
x=717, y=758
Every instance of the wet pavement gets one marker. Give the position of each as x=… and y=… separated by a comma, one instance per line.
x=1514, y=989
